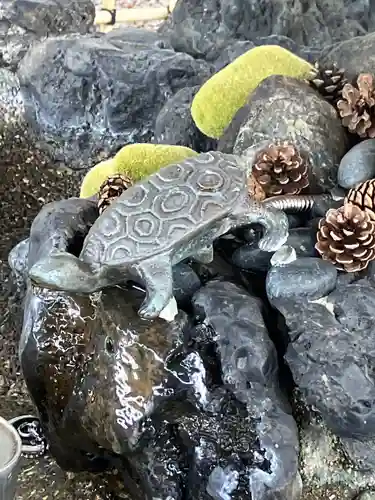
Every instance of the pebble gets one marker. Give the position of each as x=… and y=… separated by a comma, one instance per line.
x=358, y=165
x=306, y=277
x=250, y=257
x=185, y=283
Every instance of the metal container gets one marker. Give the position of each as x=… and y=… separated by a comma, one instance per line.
x=10, y=458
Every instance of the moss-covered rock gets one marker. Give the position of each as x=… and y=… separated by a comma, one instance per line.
x=227, y=91
x=136, y=161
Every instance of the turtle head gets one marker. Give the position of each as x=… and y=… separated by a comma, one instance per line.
x=63, y=271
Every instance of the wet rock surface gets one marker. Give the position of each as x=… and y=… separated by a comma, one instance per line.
x=175, y=125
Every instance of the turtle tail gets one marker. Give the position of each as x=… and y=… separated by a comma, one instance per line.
x=66, y=272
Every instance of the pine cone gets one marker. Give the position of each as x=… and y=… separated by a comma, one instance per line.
x=256, y=191
x=281, y=169
x=111, y=188
x=329, y=82
x=363, y=196
x=357, y=106
x=346, y=237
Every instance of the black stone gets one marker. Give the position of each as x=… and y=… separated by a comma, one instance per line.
x=358, y=165
x=305, y=278
x=175, y=125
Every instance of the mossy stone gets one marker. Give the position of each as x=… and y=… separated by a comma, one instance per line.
x=227, y=91
x=136, y=161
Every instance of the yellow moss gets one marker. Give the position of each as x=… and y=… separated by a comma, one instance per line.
x=218, y=100
x=135, y=160
x=96, y=176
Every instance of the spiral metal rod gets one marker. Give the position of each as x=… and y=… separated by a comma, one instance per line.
x=295, y=203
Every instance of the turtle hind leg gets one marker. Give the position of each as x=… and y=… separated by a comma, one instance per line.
x=156, y=275
x=274, y=222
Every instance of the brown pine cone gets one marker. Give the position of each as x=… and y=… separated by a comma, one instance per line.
x=363, y=196
x=281, y=169
x=329, y=82
x=346, y=237
x=111, y=189
x=357, y=106
x=256, y=191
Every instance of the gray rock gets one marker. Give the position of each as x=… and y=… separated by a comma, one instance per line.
x=249, y=368
x=305, y=278
x=250, y=257
x=204, y=28
x=23, y=22
x=175, y=125
x=86, y=97
x=358, y=165
x=331, y=358
x=287, y=109
x=185, y=283
x=356, y=55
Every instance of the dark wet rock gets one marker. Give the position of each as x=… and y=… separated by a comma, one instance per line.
x=288, y=109
x=305, y=278
x=175, y=125
x=85, y=97
x=23, y=22
x=185, y=283
x=249, y=370
x=356, y=55
x=204, y=28
x=331, y=358
x=251, y=257
x=303, y=240
x=358, y=165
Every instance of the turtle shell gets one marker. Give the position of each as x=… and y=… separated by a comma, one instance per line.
x=170, y=206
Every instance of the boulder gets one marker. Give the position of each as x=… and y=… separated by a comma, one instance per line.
x=87, y=96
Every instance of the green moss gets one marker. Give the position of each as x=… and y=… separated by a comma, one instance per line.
x=95, y=178
x=135, y=160
x=218, y=100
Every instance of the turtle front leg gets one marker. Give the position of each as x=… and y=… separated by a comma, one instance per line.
x=275, y=224
x=156, y=275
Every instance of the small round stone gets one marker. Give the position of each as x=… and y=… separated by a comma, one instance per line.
x=283, y=256
x=301, y=239
x=251, y=257
x=306, y=277
x=185, y=283
x=358, y=165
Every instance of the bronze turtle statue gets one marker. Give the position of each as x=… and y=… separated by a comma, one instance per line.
x=174, y=214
